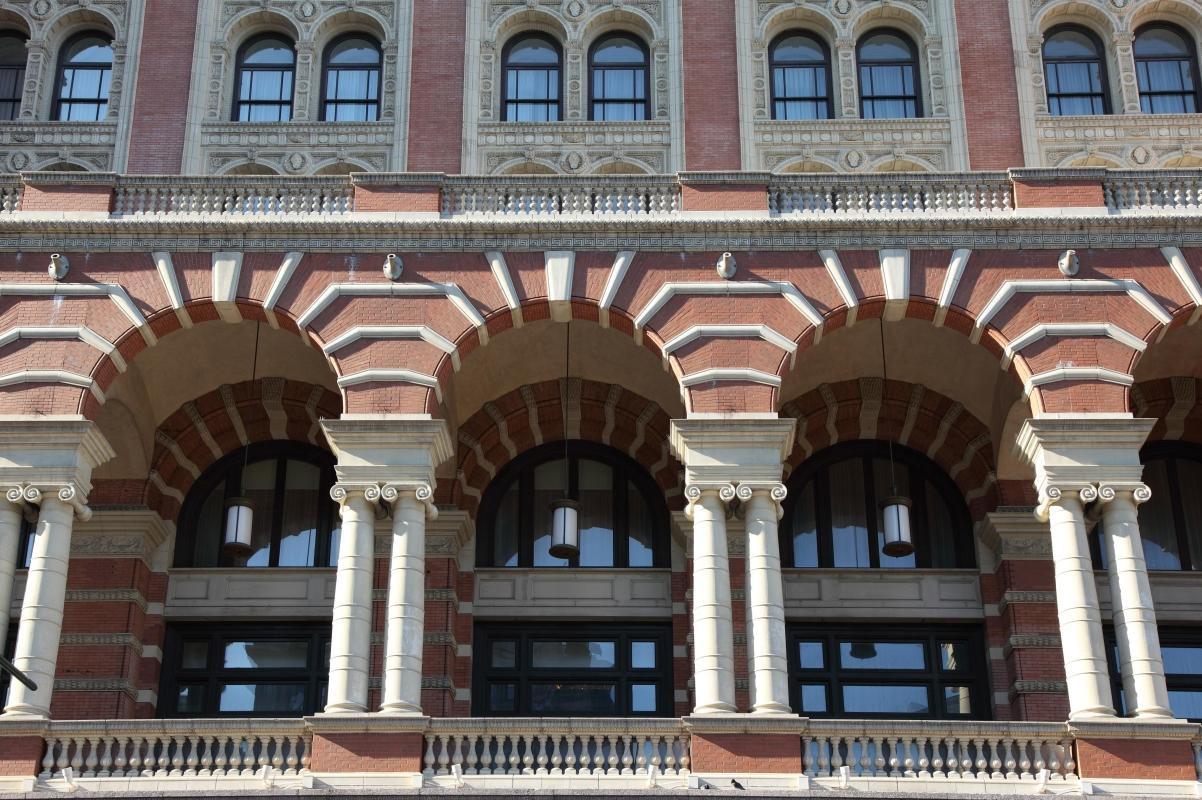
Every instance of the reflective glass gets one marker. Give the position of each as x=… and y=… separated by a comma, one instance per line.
x=575, y=699
x=504, y=654
x=302, y=496
x=810, y=655
x=354, y=51
x=886, y=699
x=12, y=51
x=259, y=698
x=849, y=525
x=1189, y=477
x=640, y=528
x=533, y=51
x=266, y=655
x=548, y=487
x=194, y=655
x=957, y=700
x=505, y=529
x=1186, y=703
x=210, y=525
x=90, y=50
x=885, y=47
x=643, y=698
x=503, y=697
x=882, y=655
x=813, y=698
x=269, y=52
x=1182, y=660
x=619, y=51
x=190, y=699
x=258, y=484
x=798, y=48
x=1070, y=44
x=953, y=656
x=1156, y=524
x=573, y=655
x=595, y=483
x=642, y=655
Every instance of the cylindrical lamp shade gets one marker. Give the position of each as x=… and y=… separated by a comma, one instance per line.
x=565, y=529
x=239, y=519
x=895, y=512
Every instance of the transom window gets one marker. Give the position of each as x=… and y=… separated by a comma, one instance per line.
x=12, y=74
x=1074, y=68
x=266, y=68
x=832, y=517
x=352, y=80
x=295, y=521
x=623, y=519
x=897, y=672
x=1167, y=68
x=619, y=82
x=888, y=64
x=532, y=79
x=572, y=671
x=801, y=77
x=245, y=670
x=85, y=74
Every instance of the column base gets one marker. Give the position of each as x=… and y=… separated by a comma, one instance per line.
x=26, y=712
x=401, y=710
x=344, y=708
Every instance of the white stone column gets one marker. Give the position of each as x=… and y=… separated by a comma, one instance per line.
x=11, y=516
x=42, y=609
x=1140, y=661
x=767, y=643
x=404, y=636
x=350, y=641
x=713, y=629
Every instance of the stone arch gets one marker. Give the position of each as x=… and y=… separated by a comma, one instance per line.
x=612, y=20
x=1087, y=13
x=1187, y=15
x=1175, y=404
x=13, y=19
x=810, y=19
x=1087, y=158
x=804, y=164
x=61, y=164
x=248, y=167
x=903, y=18
x=341, y=166
x=528, y=166
x=1181, y=160
x=899, y=163
x=624, y=165
x=522, y=20
x=77, y=20
x=254, y=22
x=340, y=21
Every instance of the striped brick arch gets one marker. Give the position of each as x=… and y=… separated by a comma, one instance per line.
x=1175, y=403
x=908, y=414
x=227, y=419
x=533, y=414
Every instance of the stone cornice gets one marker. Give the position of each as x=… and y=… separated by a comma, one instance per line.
x=390, y=452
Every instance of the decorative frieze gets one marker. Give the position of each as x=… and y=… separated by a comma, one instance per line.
x=299, y=148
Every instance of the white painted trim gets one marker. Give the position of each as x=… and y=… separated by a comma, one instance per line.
x=617, y=274
x=834, y=268
x=448, y=290
x=895, y=274
x=283, y=276
x=785, y=289
x=80, y=332
x=423, y=332
x=763, y=332
x=1132, y=288
x=560, y=267
x=1185, y=277
x=52, y=376
x=113, y=291
x=166, y=270
x=1107, y=329
x=730, y=374
x=500, y=271
x=1077, y=374
x=157, y=480
x=951, y=282
x=392, y=376
x=227, y=269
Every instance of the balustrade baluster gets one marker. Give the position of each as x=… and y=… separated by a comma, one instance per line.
x=924, y=759
x=103, y=769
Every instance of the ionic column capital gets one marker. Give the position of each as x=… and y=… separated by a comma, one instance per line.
x=344, y=492
x=1055, y=494
x=1139, y=492
x=775, y=493
x=695, y=492
x=32, y=494
x=423, y=493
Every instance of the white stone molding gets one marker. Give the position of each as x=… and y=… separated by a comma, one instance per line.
x=80, y=332
x=53, y=376
x=500, y=273
x=1072, y=329
x=716, y=374
x=1185, y=276
x=670, y=290
x=834, y=268
x=392, y=376
x=763, y=332
x=1007, y=291
x=279, y=283
x=559, y=266
x=113, y=291
x=165, y=267
x=613, y=283
x=895, y=277
x=423, y=332
x=227, y=268
x=1061, y=374
x=951, y=282
x=448, y=290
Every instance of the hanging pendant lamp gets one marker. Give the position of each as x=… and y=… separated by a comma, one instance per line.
x=895, y=509
x=240, y=510
x=565, y=512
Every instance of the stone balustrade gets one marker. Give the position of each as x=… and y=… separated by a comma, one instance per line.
x=11, y=190
x=232, y=196
x=890, y=193
x=1160, y=190
x=637, y=195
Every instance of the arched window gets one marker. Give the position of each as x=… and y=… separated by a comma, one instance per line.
x=352, y=80
x=532, y=77
x=623, y=518
x=12, y=74
x=85, y=73
x=1167, y=67
x=1074, y=68
x=801, y=77
x=266, y=65
x=833, y=517
x=619, y=81
x=888, y=63
x=295, y=521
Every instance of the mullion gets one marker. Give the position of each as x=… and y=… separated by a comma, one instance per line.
x=870, y=520
x=1181, y=530
x=621, y=537
x=277, y=513
x=526, y=518
x=920, y=520
x=573, y=489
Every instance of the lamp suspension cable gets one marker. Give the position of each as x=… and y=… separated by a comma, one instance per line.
x=254, y=371
x=895, y=509
x=240, y=510
x=567, y=379
x=884, y=383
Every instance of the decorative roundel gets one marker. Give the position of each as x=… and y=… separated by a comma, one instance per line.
x=18, y=161
x=1141, y=155
x=842, y=7
x=854, y=158
x=573, y=161
x=575, y=8
x=307, y=9
x=41, y=8
x=1119, y=3
x=295, y=162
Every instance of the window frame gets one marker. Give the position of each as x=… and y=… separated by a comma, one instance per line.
x=645, y=66
x=774, y=64
x=1103, y=70
x=240, y=67
x=927, y=472
x=1169, y=635
x=325, y=73
x=484, y=675
x=57, y=107
x=513, y=41
x=21, y=70
x=1192, y=55
x=626, y=472
x=227, y=469
x=913, y=63
x=834, y=676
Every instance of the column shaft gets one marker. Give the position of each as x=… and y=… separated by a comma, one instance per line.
x=1077, y=606
x=350, y=642
x=404, y=635
x=42, y=609
x=1134, y=617
x=10, y=547
x=713, y=632
x=766, y=640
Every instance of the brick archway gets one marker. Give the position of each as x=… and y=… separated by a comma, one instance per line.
x=1175, y=403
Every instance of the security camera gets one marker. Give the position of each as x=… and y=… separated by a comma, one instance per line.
x=58, y=266
x=393, y=266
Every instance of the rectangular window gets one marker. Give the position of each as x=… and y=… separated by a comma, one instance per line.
x=1181, y=652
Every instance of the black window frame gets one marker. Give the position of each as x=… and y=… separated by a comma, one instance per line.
x=774, y=64
x=228, y=469
x=241, y=67
x=326, y=68
x=1191, y=55
x=506, y=100
x=912, y=63
x=1169, y=636
x=1103, y=68
x=484, y=675
x=59, y=100
x=594, y=69
x=314, y=676
x=18, y=70
x=922, y=472
x=975, y=674
x=626, y=472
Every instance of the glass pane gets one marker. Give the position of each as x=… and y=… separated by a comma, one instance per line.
x=274, y=52
x=191, y=699
x=90, y=50
x=813, y=698
x=618, y=51
x=811, y=655
x=885, y=47
x=533, y=51
x=355, y=51
x=642, y=698
x=574, y=699
x=1186, y=703
x=1189, y=476
x=210, y=523
x=335, y=541
x=595, y=483
x=1182, y=660
x=504, y=655
x=882, y=655
x=194, y=655
x=798, y=48
x=258, y=484
x=302, y=496
x=884, y=479
x=548, y=487
x=282, y=698
x=1070, y=44
x=953, y=656
x=83, y=83
x=505, y=529
x=805, y=529
x=957, y=700
x=642, y=655
x=887, y=699
x=640, y=527
x=941, y=533
x=573, y=655
x=266, y=655
x=503, y=697
x=12, y=51
x=848, y=523
x=1156, y=526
